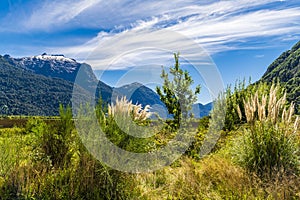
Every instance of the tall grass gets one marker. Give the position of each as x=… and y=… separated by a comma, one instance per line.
x=126, y=109
x=53, y=164
x=214, y=177
x=271, y=143
x=127, y=125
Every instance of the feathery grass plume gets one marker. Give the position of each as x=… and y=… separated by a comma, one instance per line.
x=287, y=114
x=261, y=108
x=272, y=101
x=250, y=109
x=270, y=146
x=291, y=111
x=125, y=108
x=267, y=107
x=239, y=112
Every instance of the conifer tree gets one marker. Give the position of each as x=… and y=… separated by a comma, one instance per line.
x=176, y=91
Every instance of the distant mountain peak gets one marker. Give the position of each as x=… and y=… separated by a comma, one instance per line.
x=134, y=84
x=57, y=57
x=47, y=80
x=137, y=84
x=53, y=65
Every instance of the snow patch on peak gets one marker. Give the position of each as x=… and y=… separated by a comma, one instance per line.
x=57, y=57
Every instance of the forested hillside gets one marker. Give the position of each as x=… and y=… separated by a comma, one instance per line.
x=26, y=93
x=286, y=69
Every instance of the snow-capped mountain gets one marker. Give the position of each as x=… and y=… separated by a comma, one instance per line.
x=55, y=66
x=26, y=93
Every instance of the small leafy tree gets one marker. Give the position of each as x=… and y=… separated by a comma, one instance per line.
x=176, y=93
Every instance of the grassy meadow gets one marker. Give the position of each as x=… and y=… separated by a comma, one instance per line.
x=256, y=156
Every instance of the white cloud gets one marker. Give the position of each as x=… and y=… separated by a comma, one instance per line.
x=215, y=26
x=259, y=56
x=119, y=13
x=220, y=31
x=57, y=13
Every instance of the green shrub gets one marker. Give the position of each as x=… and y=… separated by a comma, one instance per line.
x=270, y=150
x=54, y=144
x=57, y=165
x=195, y=147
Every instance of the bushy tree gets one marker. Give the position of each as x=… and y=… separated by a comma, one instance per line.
x=176, y=92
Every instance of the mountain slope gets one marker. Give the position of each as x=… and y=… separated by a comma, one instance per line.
x=286, y=68
x=58, y=66
x=199, y=110
x=139, y=94
x=24, y=93
x=33, y=76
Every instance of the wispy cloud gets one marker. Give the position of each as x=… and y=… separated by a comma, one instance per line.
x=44, y=15
x=214, y=33
x=259, y=56
x=217, y=27
x=57, y=13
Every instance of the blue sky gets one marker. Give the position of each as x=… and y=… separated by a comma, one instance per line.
x=130, y=40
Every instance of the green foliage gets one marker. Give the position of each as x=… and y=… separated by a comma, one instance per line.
x=195, y=147
x=38, y=130
x=9, y=156
x=176, y=92
x=65, y=124
x=270, y=146
x=54, y=144
x=204, y=123
x=270, y=150
x=122, y=139
x=55, y=164
x=286, y=70
x=235, y=99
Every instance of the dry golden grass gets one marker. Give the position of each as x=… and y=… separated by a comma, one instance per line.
x=126, y=109
x=269, y=108
x=212, y=178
